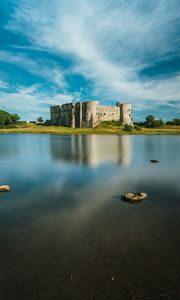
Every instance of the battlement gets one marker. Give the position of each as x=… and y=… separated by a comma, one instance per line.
x=89, y=114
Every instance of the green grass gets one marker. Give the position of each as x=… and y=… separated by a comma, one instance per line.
x=104, y=128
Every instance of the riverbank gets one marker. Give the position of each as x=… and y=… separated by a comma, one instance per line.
x=33, y=128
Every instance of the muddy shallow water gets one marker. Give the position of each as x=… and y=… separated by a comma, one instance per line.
x=66, y=234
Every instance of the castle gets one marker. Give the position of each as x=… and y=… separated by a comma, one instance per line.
x=89, y=114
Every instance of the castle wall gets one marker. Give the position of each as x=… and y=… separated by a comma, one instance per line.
x=89, y=114
x=67, y=115
x=78, y=114
x=108, y=113
x=55, y=115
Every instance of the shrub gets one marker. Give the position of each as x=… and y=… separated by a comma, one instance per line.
x=128, y=127
x=136, y=127
x=9, y=126
x=40, y=120
x=106, y=124
x=47, y=123
x=176, y=121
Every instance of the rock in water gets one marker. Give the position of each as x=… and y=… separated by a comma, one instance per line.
x=4, y=188
x=134, y=198
x=154, y=161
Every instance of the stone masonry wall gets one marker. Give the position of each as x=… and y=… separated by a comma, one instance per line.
x=89, y=114
x=126, y=114
x=67, y=115
x=56, y=115
x=108, y=113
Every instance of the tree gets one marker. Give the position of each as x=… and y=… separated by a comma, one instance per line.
x=160, y=122
x=15, y=118
x=7, y=118
x=152, y=122
x=174, y=122
x=40, y=119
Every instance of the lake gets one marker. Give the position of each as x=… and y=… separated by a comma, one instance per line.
x=66, y=234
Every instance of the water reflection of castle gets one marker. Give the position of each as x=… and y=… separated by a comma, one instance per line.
x=92, y=150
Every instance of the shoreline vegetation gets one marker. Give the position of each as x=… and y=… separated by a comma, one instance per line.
x=10, y=123
x=101, y=129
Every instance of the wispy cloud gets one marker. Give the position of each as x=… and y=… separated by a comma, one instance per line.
x=43, y=68
x=3, y=84
x=109, y=42
x=29, y=102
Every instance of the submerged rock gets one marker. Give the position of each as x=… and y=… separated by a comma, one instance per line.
x=111, y=278
x=154, y=161
x=134, y=198
x=4, y=188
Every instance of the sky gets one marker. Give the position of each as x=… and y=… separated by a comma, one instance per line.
x=59, y=51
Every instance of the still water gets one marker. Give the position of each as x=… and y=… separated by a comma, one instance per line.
x=66, y=234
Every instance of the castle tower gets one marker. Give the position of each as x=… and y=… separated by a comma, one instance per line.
x=125, y=113
x=90, y=114
x=73, y=116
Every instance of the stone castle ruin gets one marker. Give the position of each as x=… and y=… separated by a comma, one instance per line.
x=89, y=114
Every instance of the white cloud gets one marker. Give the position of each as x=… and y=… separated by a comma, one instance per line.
x=44, y=69
x=3, y=84
x=30, y=103
x=109, y=41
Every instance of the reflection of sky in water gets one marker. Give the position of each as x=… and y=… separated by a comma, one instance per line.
x=64, y=215
x=86, y=171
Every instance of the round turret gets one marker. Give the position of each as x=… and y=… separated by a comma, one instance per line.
x=126, y=115
x=90, y=113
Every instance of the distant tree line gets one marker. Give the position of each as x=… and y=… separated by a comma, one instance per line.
x=7, y=119
x=173, y=122
x=151, y=122
x=40, y=120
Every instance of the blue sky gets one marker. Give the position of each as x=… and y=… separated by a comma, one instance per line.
x=53, y=52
